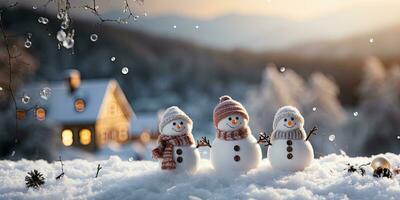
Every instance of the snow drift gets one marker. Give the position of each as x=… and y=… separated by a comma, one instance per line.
x=120, y=179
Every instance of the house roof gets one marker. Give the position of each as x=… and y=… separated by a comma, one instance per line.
x=60, y=104
x=144, y=121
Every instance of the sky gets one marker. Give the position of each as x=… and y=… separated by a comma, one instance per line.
x=293, y=9
x=205, y=9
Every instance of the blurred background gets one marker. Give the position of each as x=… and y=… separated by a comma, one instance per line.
x=337, y=61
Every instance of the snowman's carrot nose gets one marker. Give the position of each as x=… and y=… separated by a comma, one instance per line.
x=290, y=123
x=178, y=126
x=234, y=121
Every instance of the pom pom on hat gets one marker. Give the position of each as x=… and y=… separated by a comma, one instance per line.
x=227, y=106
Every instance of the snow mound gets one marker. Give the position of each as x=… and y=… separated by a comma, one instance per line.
x=120, y=179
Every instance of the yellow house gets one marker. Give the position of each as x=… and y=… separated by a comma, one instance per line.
x=90, y=113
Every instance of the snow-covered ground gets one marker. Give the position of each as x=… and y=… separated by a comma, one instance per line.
x=120, y=179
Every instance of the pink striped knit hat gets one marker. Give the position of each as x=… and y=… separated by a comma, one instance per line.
x=227, y=106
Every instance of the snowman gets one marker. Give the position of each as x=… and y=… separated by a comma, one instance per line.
x=176, y=148
x=290, y=149
x=234, y=150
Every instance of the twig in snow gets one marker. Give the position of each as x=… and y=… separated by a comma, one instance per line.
x=62, y=169
x=98, y=169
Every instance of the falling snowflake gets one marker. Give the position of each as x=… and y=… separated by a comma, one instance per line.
x=1, y=88
x=355, y=114
x=130, y=159
x=282, y=69
x=371, y=40
x=124, y=70
x=332, y=138
x=45, y=93
x=112, y=59
x=398, y=137
x=94, y=37
x=174, y=26
x=314, y=109
x=197, y=26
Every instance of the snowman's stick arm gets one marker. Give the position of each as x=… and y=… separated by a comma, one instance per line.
x=312, y=132
x=264, y=138
x=203, y=142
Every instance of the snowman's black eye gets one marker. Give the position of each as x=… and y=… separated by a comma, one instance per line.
x=181, y=123
x=292, y=119
x=174, y=123
x=237, y=118
x=285, y=120
x=230, y=118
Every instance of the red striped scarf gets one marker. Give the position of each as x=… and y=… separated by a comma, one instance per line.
x=166, y=145
x=233, y=135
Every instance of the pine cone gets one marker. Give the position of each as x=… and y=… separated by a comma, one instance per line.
x=34, y=179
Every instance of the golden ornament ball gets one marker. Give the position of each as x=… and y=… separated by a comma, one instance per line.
x=381, y=162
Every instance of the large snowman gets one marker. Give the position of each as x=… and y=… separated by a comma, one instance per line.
x=234, y=150
x=290, y=151
x=176, y=146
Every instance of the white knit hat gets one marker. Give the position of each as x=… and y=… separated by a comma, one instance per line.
x=287, y=111
x=171, y=114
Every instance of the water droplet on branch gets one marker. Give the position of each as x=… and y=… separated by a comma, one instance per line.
x=93, y=37
x=68, y=43
x=61, y=35
x=332, y=138
x=64, y=25
x=28, y=44
x=124, y=70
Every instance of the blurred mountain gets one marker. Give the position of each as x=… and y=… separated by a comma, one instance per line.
x=384, y=43
x=262, y=33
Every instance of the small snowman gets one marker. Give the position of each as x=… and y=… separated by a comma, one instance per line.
x=290, y=149
x=176, y=146
x=234, y=150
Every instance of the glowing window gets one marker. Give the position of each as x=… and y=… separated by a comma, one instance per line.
x=123, y=135
x=21, y=114
x=145, y=136
x=67, y=137
x=85, y=136
x=40, y=114
x=79, y=105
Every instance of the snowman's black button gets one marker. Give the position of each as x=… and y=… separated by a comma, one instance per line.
x=289, y=156
x=179, y=159
x=179, y=151
x=236, y=148
x=236, y=158
x=289, y=149
x=289, y=142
